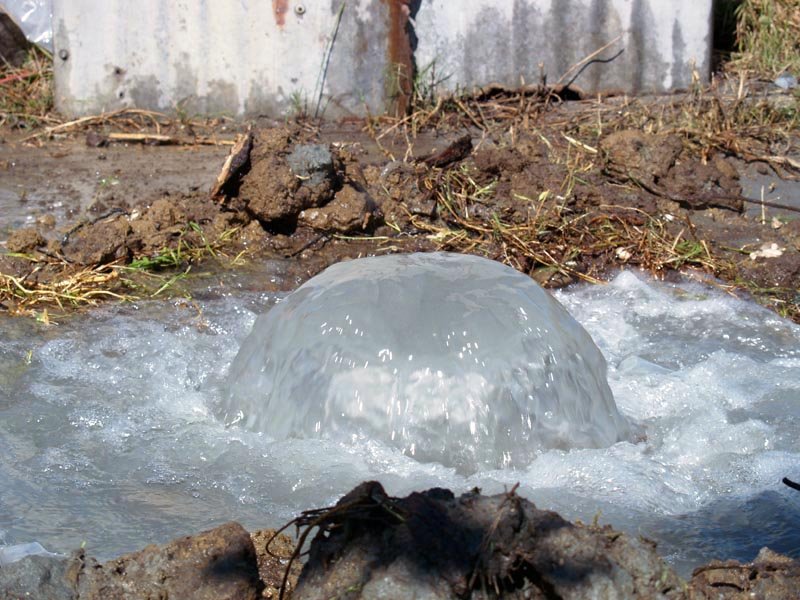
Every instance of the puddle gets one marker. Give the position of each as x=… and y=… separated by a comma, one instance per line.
x=68, y=181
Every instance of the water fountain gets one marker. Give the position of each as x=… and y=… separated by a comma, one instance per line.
x=450, y=358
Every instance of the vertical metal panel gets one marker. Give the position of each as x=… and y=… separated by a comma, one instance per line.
x=476, y=42
x=234, y=57
x=268, y=57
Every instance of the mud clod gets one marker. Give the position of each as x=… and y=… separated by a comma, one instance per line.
x=635, y=154
x=350, y=211
x=25, y=240
x=436, y=545
x=98, y=243
x=280, y=186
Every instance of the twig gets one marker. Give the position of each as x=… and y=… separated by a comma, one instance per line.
x=90, y=119
x=320, y=85
x=791, y=484
x=585, y=62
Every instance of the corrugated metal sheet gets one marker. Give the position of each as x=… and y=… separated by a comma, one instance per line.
x=249, y=57
x=475, y=42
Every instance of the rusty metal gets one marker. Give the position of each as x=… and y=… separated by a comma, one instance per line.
x=400, y=80
x=279, y=10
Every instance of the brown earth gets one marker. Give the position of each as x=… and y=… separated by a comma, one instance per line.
x=430, y=544
x=535, y=197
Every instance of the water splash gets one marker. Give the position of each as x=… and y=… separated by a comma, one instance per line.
x=450, y=358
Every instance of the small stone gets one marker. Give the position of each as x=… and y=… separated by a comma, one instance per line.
x=767, y=250
x=623, y=254
x=312, y=163
x=786, y=81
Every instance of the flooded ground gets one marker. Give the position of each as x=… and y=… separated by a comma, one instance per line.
x=109, y=436
x=65, y=182
x=107, y=412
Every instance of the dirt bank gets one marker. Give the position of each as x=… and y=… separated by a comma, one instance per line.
x=429, y=544
x=563, y=192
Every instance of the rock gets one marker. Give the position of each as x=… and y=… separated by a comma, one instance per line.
x=41, y=577
x=98, y=243
x=218, y=564
x=770, y=575
x=434, y=545
x=312, y=163
x=272, y=561
x=24, y=240
x=350, y=210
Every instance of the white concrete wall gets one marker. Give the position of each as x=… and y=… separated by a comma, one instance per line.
x=475, y=42
x=247, y=57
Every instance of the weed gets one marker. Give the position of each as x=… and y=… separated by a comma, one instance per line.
x=768, y=36
x=26, y=92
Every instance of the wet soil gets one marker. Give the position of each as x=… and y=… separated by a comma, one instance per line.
x=535, y=197
x=430, y=544
x=558, y=207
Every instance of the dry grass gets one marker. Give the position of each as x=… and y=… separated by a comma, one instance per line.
x=768, y=37
x=24, y=295
x=557, y=240
x=155, y=276
x=26, y=92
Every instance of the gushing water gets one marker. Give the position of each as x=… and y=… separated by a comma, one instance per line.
x=450, y=358
x=108, y=432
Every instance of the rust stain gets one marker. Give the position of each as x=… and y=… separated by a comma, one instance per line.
x=279, y=10
x=401, y=61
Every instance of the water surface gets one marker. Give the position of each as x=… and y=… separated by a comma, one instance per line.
x=108, y=432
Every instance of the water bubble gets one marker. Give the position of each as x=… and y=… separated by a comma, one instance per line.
x=524, y=389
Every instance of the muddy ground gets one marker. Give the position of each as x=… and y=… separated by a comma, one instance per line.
x=564, y=192
x=430, y=544
x=543, y=191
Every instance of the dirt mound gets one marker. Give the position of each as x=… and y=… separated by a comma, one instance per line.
x=433, y=544
x=429, y=544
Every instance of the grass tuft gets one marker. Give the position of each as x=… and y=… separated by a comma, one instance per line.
x=26, y=92
x=768, y=37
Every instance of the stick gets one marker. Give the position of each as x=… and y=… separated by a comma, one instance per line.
x=589, y=59
x=791, y=484
x=161, y=139
x=90, y=119
x=326, y=60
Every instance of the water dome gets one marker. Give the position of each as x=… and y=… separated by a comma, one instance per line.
x=449, y=358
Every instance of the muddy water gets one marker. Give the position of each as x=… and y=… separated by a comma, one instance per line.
x=108, y=434
x=62, y=183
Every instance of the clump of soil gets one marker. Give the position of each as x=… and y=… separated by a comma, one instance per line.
x=429, y=544
x=434, y=545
